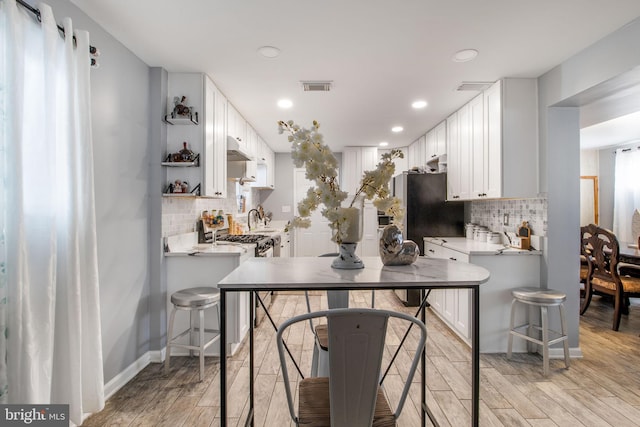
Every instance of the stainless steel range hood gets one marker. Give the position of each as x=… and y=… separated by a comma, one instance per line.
x=234, y=153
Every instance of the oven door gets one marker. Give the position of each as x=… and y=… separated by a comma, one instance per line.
x=267, y=253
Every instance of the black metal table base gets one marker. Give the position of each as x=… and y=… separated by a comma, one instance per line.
x=426, y=412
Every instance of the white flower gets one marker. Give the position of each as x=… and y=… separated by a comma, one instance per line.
x=309, y=150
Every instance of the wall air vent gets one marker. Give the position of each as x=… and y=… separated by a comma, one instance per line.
x=474, y=86
x=317, y=86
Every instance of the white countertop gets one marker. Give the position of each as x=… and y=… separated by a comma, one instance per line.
x=475, y=247
x=316, y=273
x=187, y=245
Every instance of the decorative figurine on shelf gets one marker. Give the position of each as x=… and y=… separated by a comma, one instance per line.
x=394, y=250
x=186, y=155
x=181, y=108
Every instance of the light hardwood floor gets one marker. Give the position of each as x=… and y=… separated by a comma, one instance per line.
x=602, y=389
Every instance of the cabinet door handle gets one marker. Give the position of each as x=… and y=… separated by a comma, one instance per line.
x=432, y=251
x=453, y=259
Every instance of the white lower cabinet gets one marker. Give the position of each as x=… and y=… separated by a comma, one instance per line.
x=285, y=245
x=508, y=271
x=452, y=305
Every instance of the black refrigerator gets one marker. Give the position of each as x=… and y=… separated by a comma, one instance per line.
x=426, y=213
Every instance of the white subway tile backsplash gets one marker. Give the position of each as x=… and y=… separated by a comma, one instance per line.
x=180, y=214
x=490, y=213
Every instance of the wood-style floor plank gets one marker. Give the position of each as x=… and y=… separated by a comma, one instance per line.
x=601, y=389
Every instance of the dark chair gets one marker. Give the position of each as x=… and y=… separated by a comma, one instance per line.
x=601, y=249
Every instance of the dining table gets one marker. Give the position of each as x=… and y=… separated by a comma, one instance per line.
x=629, y=253
x=316, y=273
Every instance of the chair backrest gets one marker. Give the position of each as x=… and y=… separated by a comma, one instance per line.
x=356, y=348
x=601, y=249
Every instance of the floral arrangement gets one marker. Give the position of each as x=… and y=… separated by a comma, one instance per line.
x=309, y=151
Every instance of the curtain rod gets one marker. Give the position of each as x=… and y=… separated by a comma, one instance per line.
x=92, y=49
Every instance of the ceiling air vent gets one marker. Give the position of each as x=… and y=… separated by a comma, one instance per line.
x=316, y=86
x=477, y=86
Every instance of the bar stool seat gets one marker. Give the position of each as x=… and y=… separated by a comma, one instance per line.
x=193, y=299
x=542, y=298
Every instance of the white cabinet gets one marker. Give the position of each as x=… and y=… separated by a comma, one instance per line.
x=285, y=245
x=208, y=138
x=262, y=153
x=192, y=271
x=252, y=142
x=459, y=165
x=453, y=305
x=356, y=160
x=508, y=270
x=453, y=157
x=215, y=145
x=265, y=166
x=236, y=126
x=495, y=149
x=477, y=148
x=436, y=141
x=511, y=110
x=417, y=153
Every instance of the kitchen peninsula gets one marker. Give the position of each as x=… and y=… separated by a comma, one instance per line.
x=315, y=273
x=509, y=267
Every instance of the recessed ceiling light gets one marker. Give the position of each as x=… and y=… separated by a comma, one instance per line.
x=383, y=144
x=269, y=51
x=285, y=103
x=419, y=104
x=397, y=129
x=465, y=55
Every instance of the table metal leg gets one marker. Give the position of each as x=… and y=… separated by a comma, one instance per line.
x=251, y=415
x=223, y=358
x=423, y=368
x=475, y=358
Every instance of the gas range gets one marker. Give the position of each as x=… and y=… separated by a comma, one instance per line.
x=264, y=243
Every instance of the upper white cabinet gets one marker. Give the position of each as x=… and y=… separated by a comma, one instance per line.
x=436, y=141
x=453, y=154
x=252, y=142
x=215, y=137
x=236, y=126
x=495, y=149
x=417, y=153
x=208, y=138
x=266, y=167
x=356, y=160
x=477, y=148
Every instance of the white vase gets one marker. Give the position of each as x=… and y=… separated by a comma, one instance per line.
x=347, y=259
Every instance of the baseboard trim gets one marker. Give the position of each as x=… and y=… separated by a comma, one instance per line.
x=558, y=353
x=117, y=382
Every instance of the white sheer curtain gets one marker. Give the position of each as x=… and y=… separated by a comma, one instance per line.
x=627, y=193
x=54, y=350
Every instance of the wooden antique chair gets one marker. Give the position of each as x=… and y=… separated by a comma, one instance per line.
x=351, y=396
x=601, y=249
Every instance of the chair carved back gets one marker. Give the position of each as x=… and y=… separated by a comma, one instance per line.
x=601, y=249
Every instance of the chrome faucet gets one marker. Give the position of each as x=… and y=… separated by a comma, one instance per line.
x=249, y=217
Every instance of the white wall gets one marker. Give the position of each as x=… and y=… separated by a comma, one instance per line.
x=562, y=90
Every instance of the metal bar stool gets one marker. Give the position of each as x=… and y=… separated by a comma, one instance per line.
x=543, y=298
x=193, y=299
